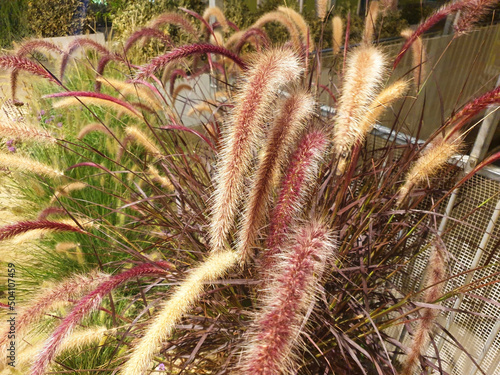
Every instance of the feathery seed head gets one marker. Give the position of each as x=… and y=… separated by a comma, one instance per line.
x=286, y=127
x=292, y=289
x=432, y=159
x=265, y=76
x=364, y=73
x=23, y=164
x=296, y=183
x=337, y=34
x=321, y=6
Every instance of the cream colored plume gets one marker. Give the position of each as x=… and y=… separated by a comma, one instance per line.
x=218, y=14
x=24, y=164
x=337, y=34
x=133, y=90
x=175, y=307
x=321, y=6
x=419, y=58
x=285, y=21
x=70, y=102
x=364, y=73
x=300, y=23
x=138, y=136
x=433, y=158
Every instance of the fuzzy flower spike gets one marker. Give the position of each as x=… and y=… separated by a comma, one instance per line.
x=365, y=69
x=265, y=76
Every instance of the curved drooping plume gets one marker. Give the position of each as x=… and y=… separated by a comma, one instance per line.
x=63, y=291
x=364, y=72
x=146, y=33
x=254, y=35
x=419, y=57
x=337, y=34
x=216, y=266
x=92, y=98
x=186, y=51
x=472, y=12
x=173, y=18
x=301, y=25
x=83, y=43
x=431, y=160
x=88, y=304
x=25, y=49
x=265, y=76
x=291, y=291
x=16, y=229
x=436, y=276
x=283, y=19
x=217, y=13
x=26, y=65
x=434, y=18
x=286, y=127
x=24, y=164
x=294, y=188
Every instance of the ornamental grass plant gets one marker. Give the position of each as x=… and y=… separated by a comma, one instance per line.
x=160, y=224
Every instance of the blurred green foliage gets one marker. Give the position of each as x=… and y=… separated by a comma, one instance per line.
x=13, y=23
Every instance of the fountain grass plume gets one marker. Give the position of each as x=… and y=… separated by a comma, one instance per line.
x=133, y=89
x=256, y=36
x=77, y=340
x=370, y=22
x=147, y=33
x=64, y=190
x=186, y=51
x=473, y=11
x=436, y=276
x=25, y=65
x=88, y=304
x=214, y=267
x=270, y=71
x=337, y=34
x=434, y=18
x=217, y=13
x=291, y=290
x=300, y=23
x=321, y=8
x=471, y=109
x=419, y=58
x=364, y=73
x=139, y=137
x=176, y=19
x=384, y=99
x=32, y=46
x=21, y=227
x=163, y=181
x=296, y=183
x=49, y=211
x=24, y=132
x=64, y=290
x=431, y=160
x=92, y=98
x=178, y=90
x=27, y=165
x=285, y=20
x=94, y=127
x=290, y=121
x=81, y=43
